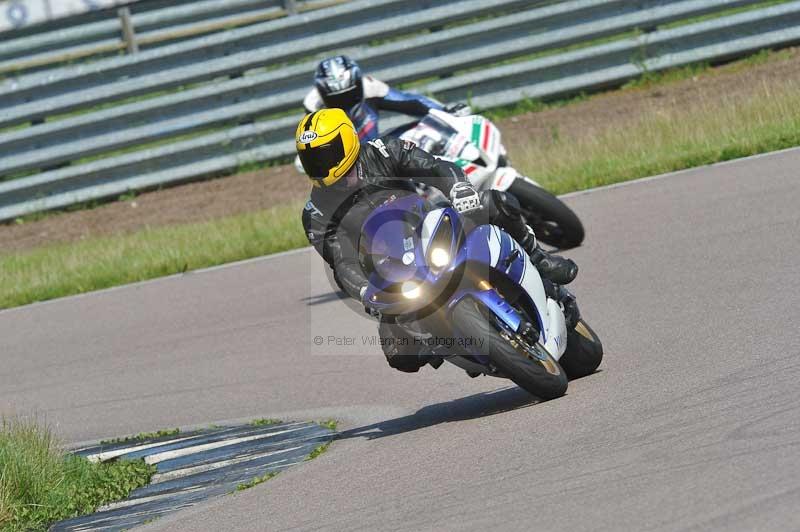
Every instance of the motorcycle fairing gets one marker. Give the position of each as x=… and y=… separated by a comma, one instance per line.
x=472, y=142
x=491, y=246
x=485, y=245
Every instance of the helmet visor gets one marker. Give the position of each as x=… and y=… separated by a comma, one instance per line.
x=344, y=99
x=317, y=162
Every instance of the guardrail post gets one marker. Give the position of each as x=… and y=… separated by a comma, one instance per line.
x=290, y=6
x=128, y=31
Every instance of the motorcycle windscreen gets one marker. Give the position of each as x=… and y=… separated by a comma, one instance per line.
x=432, y=135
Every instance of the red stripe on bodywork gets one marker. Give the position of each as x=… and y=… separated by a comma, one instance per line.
x=486, y=133
x=369, y=126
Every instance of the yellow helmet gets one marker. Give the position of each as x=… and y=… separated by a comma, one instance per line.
x=327, y=144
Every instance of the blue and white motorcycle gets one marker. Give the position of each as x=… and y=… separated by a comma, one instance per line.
x=471, y=295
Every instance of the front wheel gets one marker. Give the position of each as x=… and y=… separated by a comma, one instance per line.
x=530, y=367
x=553, y=222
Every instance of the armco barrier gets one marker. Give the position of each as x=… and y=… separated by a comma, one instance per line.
x=15, y=14
x=155, y=24
x=227, y=112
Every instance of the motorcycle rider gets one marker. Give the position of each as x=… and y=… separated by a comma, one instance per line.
x=349, y=180
x=339, y=82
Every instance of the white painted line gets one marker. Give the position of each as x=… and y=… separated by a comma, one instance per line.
x=178, y=473
x=108, y=455
x=132, y=502
x=168, y=455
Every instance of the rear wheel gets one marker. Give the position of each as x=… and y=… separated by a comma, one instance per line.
x=553, y=222
x=584, y=351
x=528, y=365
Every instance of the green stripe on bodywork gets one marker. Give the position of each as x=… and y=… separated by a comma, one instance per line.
x=461, y=163
x=476, y=132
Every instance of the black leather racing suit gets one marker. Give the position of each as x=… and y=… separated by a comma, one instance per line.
x=333, y=216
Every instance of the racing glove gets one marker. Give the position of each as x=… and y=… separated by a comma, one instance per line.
x=458, y=109
x=464, y=198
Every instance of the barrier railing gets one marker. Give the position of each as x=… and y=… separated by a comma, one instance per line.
x=16, y=14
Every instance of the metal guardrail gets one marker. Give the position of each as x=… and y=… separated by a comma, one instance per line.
x=15, y=14
x=227, y=113
x=153, y=28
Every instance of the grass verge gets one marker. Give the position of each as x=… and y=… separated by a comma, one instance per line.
x=40, y=484
x=66, y=269
x=142, y=436
x=714, y=129
x=329, y=424
x=255, y=481
x=265, y=421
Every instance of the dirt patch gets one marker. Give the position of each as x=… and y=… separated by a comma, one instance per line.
x=196, y=202
x=193, y=202
x=618, y=108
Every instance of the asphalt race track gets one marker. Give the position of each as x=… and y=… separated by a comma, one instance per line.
x=692, y=281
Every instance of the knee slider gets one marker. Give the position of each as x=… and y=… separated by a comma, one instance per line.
x=489, y=204
x=508, y=204
x=497, y=202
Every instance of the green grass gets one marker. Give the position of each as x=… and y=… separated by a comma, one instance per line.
x=40, y=484
x=318, y=451
x=651, y=79
x=723, y=13
x=265, y=421
x=329, y=424
x=82, y=266
x=255, y=481
x=719, y=128
x=142, y=436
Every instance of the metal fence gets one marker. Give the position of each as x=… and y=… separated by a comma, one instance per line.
x=212, y=104
x=16, y=14
x=142, y=26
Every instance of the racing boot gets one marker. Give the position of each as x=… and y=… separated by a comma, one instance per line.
x=555, y=268
x=571, y=312
x=400, y=350
x=502, y=209
x=566, y=300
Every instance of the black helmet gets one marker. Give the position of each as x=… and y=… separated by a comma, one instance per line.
x=338, y=80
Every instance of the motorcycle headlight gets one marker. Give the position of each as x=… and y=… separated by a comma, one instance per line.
x=439, y=258
x=411, y=290
x=438, y=255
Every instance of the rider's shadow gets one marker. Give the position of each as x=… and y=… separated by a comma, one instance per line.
x=461, y=409
x=321, y=299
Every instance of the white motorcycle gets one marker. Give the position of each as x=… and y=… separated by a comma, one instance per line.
x=474, y=143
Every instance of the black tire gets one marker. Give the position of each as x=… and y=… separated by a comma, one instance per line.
x=584, y=351
x=542, y=377
x=338, y=282
x=553, y=222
